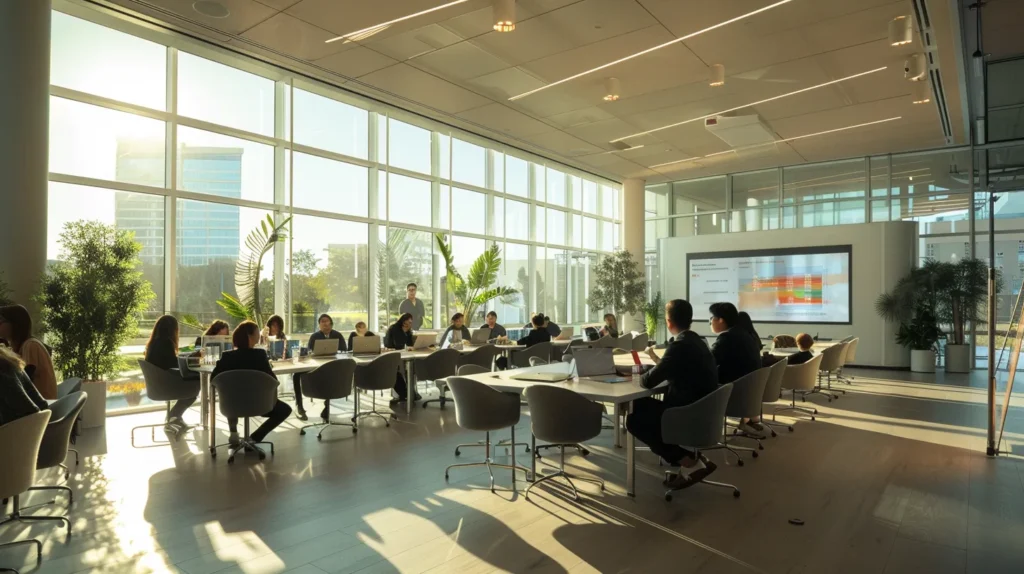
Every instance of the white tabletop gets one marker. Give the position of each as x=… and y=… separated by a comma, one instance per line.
x=593, y=390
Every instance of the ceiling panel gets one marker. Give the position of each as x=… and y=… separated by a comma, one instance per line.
x=501, y=117
x=242, y=14
x=408, y=82
x=293, y=37
x=356, y=62
x=460, y=62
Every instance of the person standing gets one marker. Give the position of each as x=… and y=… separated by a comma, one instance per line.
x=16, y=329
x=326, y=331
x=689, y=368
x=413, y=306
x=492, y=323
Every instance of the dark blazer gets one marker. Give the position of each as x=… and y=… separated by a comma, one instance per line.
x=18, y=396
x=239, y=359
x=800, y=358
x=737, y=354
x=396, y=338
x=352, y=335
x=553, y=329
x=319, y=336
x=535, y=336
x=162, y=353
x=496, y=331
x=689, y=368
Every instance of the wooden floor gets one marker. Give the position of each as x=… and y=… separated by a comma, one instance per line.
x=890, y=478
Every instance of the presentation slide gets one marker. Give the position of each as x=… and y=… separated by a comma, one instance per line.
x=810, y=285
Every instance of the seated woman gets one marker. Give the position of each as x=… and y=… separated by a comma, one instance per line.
x=804, y=342
x=538, y=334
x=18, y=396
x=274, y=328
x=16, y=329
x=216, y=329
x=246, y=356
x=326, y=331
x=457, y=326
x=398, y=337
x=361, y=331
x=162, y=351
x=611, y=326
x=747, y=325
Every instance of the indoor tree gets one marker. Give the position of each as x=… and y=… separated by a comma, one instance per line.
x=92, y=298
x=478, y=286
x=619, y=284
x=961, y=295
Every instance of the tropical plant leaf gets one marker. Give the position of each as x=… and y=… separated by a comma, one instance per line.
x=191, y=321
x=259, y=242
x=234, y=308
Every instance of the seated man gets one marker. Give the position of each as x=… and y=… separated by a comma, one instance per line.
x=326, y=324
x=737, y=354
x=492, y=324
x=690, y=370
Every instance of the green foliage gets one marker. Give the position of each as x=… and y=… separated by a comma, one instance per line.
x=619, y=284
x=405, y=257
x=478, y=287
x=653, y=310
x=922, y=332
x=259, y=242
x=5, y=292
x=92, y=298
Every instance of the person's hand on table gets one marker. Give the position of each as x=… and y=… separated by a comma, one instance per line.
x=654, y=356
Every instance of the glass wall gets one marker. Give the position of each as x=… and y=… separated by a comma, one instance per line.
x=191, y=147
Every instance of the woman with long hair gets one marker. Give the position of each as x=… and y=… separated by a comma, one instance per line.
x=245, y=356
x=18, y=396
x=216, y=329
x=275, y=327
x=398, y=337
x=16, y=329
x=162, y=351
x=747, y=325
x=611, y=326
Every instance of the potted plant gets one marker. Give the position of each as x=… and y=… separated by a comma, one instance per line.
x=92, y=299
x=911, y=304
x=961, y=296
x=920, y=336
x=478, y=287
x=653, y=311
x=619, y=285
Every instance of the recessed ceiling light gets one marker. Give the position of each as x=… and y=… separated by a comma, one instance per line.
x=764, y=101
x=717, y=77
x=612, y=89
x=504, y=15
x=900, y=31
x=359, y=34
x=794, y=138
x=649, y=50
x=211, y=9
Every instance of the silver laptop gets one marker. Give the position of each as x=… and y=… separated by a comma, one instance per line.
x=423, y=340
x=566, y=334
x=325, y=347
x=597, y=365
x=480, y=336
x=542, y=377
x=369, y=345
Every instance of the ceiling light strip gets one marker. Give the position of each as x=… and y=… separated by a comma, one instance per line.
x=794, y=138
x=649, y=50
x=759, y=102
x=396, y=20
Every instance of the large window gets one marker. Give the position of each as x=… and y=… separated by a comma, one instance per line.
x=225, y=141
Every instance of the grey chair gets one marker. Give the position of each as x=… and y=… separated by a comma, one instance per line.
x=522, y=358
x=575, y=343
x=851, y=355
x=186, y=371
x=746, y=401
x=437, y=367
x=640, y=342
x=378, y=375
x=772, y=393
x=465, y=371
x=56, y=440
x=19, y=442
x=482, y=356
x=331, y=380
x=623, y=342
x=478, y=407
x=565, y=418
x=164, y=385
x=831, y=363
x=535, y=361
x=245, y=393
x=65, y=388
x=698, y=426
x=800, y=379
x=603, y=342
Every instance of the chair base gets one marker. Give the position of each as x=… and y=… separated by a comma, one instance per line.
x=560, y=473
x=244, y=445
x=793, y=408
x=326, y=424
x=373, y=412
x=507, y=443
x=37, y=543
x=581, y=449
x=489, y=462
x=17, y=516
x=668, y=493
x=71, y=493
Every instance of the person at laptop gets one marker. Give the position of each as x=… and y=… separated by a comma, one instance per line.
x=413, y=306
x=216, y=329
x=326, y=331
x=162, y=351
x=538, y=334
x=611, y=326
x=274, y=328
x=246, y=356
x=361, y=331
x=456, y=326
x=689, y=368
x=736, y=352
x=399, y=337
x=492, y=324
x=552, y=329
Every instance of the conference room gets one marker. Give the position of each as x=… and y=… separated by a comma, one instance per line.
x=511, y=286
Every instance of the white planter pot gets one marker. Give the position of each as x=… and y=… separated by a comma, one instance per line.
x=922, y=361
x=958, y=358
x=94, y=413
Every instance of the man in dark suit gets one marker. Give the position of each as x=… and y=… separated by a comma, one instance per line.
x=689, y=368
x=736, y=352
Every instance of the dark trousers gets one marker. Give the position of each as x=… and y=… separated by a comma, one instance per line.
x=297, y=387
x=276, y=416
x=400, y=387
x=645, y=424
x=179, y=408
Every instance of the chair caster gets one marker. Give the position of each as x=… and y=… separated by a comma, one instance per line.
x=354, y=430
x=319, y=438
x=759, y=447
x=754, y=454
x=213, y=453
x=774, y=434
x=263, y=456
x=457, y=452
x=739, y=462
x=387, y=424
x=527, y=448
x=812, y=418
x=815, y=411
x=302, y=432
x=736, y=494
x=803, y=399
x=790, y=428
x=446, y=477
x=668, y=497
x=584, y=452
x=231, y=460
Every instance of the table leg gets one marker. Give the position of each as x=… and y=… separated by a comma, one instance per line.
x=617, y=425
x=630, y=458
x=533, y=457
x=409, y=387
x=204, y=409
x=210, y=403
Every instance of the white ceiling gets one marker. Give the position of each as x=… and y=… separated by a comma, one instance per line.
x=452, y=66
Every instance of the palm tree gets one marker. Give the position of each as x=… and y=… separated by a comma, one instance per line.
x=247, y=271
x=477, y=288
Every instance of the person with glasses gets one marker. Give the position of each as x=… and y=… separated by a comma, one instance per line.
x=16, y=330
x=413, y=306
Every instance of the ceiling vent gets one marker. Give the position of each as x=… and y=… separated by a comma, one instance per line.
x=739, y=131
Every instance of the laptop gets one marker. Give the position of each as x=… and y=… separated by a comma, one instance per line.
x=325, y=347
x=599, y=365
x=369, y=345
x=480, y=336
x=423, y=340
x=566, y=334
x=542, y=377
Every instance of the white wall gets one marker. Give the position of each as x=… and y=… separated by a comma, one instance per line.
x=882, y=254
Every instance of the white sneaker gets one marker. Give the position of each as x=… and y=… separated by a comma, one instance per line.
x=749, y=429
x=233, y=439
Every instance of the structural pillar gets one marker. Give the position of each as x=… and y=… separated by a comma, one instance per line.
x=633, y=236
x=24, y=147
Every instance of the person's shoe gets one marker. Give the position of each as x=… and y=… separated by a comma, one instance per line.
x=701, y=471
x=301, y=415
x=233, y=439
x=181, y=424
x=325, y=416
x=751, y=430
x=171, y=430
x=416, y=397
